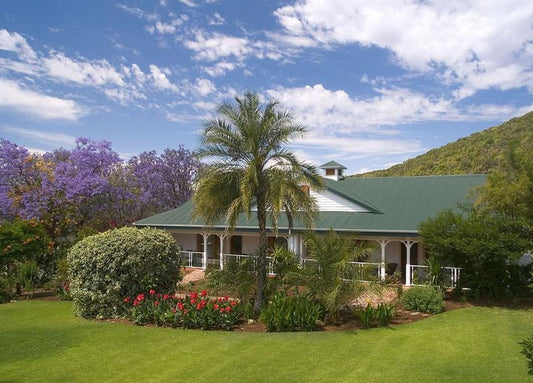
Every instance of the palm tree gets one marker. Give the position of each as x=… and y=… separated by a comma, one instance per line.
x=252, y=168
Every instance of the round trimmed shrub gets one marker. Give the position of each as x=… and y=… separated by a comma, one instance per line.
x=107, y=267
x=425, y=299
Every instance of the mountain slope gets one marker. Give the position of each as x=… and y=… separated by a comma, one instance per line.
x=478, y=153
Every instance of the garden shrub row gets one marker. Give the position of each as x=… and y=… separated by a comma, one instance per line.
x=380, y=316
x=193, y=311
x=292, y=313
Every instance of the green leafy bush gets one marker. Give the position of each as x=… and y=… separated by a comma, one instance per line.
x=424, y=299
x=27, y=275
x=367, y=316
x=237, y=278
x=295, y=313
x=193, y=311
x=106, y=267
x=381, y=315
x=528, y=352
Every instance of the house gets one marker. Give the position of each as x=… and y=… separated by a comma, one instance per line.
x=385, y=211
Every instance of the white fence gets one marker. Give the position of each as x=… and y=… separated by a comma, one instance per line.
x=419, y=274
x=192, y=259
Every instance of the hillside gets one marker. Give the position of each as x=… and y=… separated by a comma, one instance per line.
x=478, y=153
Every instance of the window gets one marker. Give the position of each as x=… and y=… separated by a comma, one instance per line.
x=340, y=172
x=330, y=172
x=236, y=244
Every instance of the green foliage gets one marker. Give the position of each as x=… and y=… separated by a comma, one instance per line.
x=237, y=278
x=528, y=352
x=6, y=287
x=381, y=315
x=292, y=313
x=481, y=244
x=425, y=299
x=27, y=274
x=435, y=277
x=328, y=275
x=481, y=152
x=367, y=316
x=23, y=240
x=105, y=268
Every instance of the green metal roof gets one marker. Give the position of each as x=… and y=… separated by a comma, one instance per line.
x=332, y=165
x=397, y=205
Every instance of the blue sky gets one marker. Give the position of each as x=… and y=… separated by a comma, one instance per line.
x=375, y=82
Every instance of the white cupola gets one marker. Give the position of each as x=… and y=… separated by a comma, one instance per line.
x=333, y=170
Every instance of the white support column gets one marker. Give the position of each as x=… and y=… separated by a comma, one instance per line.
x=408, y=244
x=383, y=243
x=204, y=255
x=301, y=248
x=221, y=237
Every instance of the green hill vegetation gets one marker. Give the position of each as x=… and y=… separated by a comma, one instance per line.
x=480, y=152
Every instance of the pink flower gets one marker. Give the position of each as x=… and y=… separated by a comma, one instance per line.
x=233, y=303
x=226, y=298
x=165, y=297
x=203, y=293
x=215, y=306
x=152, y=292
x=228, y=309
x=156, y=303
x=140, y=297
x=127, y=300
x=199, y=306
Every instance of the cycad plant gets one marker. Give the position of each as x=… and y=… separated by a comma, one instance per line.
x=328, y=273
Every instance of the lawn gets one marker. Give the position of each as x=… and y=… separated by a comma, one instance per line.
x=42, y=341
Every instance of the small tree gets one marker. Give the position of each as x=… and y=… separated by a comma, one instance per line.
x=107, y=267
x=481, y=244
x=329, y=276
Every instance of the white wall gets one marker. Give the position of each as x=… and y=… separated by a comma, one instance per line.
x=328, y=201
x=186, y=241
x=249, y=244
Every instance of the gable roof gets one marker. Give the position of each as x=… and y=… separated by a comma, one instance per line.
x=396, y=206
x=333, y=165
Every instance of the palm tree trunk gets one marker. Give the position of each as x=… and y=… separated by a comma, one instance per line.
x=261, y=271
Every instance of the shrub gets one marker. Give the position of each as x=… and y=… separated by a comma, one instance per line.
x=385, y=313
x=528, y=352
x=367, y=316
x=295, y=313
x=106, y=267
x=238, y=278
x=423, y=298
x=27, y=275
x=193, y=311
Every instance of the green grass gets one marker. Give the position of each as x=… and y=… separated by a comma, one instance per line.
x=43, y=342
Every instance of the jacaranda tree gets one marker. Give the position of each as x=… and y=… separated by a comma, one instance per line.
x=252, y=167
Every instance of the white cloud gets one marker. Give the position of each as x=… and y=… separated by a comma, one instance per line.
x=188, y=3
x=12, y=96
x=95, y=73
x=160, y=80
x=42, y=137
x=221, y=68
x=217, y=45
x=326, y=110
x=482, y=44
x=216, y=20
x=204, y=87
x=16, y=43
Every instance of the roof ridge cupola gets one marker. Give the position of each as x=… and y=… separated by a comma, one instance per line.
x=333, y=170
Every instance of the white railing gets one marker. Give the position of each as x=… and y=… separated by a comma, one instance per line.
x=360, y=271
x=237, y=258
x=192, y=259
x=419, y=274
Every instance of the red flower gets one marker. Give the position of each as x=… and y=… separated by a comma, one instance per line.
x=180, y=306
x=219, y=299
x=199, y=306
x=127, y=300
x=193, y=301
x=233, y=303
x=152, y=292
x=156, y=303
x=228, y=309
x=185, y=311
x=203, y=293
x=158, y=295
x=222, y=309
x=193, y=295
x=135, y=302
x=226, y=298
x=140, y=297
x=215, y=306
x=173, y=309
x=165, y=297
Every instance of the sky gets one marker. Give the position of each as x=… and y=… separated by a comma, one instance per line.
x=375, y=82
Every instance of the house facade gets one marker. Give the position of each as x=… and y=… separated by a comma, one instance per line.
x=385, y=211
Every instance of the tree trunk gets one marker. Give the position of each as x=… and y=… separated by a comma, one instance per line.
x=262, y=263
